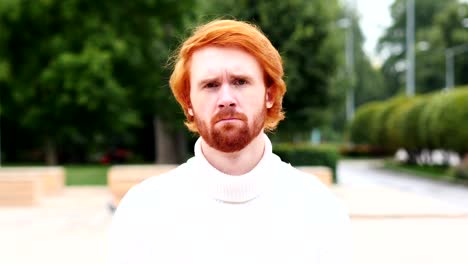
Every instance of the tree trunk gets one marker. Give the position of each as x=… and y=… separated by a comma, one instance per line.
x=50, y=151
x=166, y=149
x=181, y=140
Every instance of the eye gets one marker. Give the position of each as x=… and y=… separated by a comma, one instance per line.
x=240, y=82
x=211, y=85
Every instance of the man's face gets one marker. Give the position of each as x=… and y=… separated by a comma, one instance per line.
x=228, y=97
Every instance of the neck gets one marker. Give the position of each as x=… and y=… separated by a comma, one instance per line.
x=236, y=163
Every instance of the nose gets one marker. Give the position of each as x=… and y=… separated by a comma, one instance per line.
x=226, y=96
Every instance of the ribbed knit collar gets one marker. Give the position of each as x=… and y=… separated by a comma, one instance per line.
x=234, y=189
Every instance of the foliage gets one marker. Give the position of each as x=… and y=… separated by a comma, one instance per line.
x=76, y=71
x=450, y=121
x=428, y=120
x=384, y=132
x=361, y=126
x=395, y=124
x=438, y=27
x=310, y=155
x=365, y=78
x=437, y=121
x=410, y=124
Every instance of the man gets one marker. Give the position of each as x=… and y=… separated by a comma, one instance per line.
x=234, y=201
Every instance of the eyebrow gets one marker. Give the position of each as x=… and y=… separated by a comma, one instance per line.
x=201, y=83
x=241, y=76
x=232, y=76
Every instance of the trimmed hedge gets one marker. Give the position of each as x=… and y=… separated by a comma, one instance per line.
x=435, y=121
x=450, y=122
x=381, y=134
x=361, y=125
x=395, y=125
x=410, y=124
x=308, y=155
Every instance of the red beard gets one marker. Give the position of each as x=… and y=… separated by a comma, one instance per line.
x=230, y=136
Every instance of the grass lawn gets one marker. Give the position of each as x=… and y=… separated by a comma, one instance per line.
x=433, y=172
x=86, y=175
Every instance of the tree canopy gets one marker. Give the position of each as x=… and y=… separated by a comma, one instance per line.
x=72, y=70
x=76, y=75
x=439, y=26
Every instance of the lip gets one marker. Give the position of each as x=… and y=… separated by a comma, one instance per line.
x=228, y=119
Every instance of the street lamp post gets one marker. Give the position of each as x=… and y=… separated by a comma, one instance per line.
x=410, y=82
x=350, y=70
x=347, y=24
x=450, y=53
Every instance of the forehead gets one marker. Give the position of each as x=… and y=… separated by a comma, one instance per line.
x=212, y=61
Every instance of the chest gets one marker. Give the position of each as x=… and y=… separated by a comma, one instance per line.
x=263, y=232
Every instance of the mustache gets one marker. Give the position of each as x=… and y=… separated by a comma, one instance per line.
x=228, y=113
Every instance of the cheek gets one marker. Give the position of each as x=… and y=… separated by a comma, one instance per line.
x=201, y=109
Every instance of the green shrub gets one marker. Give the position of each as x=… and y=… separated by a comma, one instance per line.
x=395, y=124
x=437, y=120
x=361, y=123
x=430, y=115
x=379, y=132
x=449, y=125
x=411, y=129
x=361, y=150
x=308, y=155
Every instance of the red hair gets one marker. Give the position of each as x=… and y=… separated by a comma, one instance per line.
x=231, y=33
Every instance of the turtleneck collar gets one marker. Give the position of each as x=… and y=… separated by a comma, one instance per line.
x=234, y=189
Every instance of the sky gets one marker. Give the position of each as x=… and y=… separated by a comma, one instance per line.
x=374, y=18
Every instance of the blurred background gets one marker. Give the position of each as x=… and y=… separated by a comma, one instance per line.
x=86, y=82
x=84, y=86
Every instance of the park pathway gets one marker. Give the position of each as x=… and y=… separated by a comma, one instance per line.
x=399, y=218
x=371, y=173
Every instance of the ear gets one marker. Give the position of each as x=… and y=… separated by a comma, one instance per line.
x=190, y=111
x=268, y=98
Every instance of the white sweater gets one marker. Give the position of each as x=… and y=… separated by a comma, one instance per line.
x=197, y=214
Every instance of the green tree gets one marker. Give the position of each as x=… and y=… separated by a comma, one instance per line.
x=76, y=70
x=366, y=80
x=451, y=30
x=429, y=56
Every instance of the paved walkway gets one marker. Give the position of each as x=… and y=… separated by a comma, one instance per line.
x=392, y=222
x=403, y=219
x=68, y=228
x=371, y=173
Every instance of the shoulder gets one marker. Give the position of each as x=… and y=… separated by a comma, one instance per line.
x=300, y=179
x=158, y=185
x=142, y=215
x=309, y=189
x=153, y=191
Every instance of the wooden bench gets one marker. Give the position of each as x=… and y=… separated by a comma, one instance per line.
x=121, y=178
x=20, y=188
x=26, y=185
x=324, y=174
x=53, y=178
